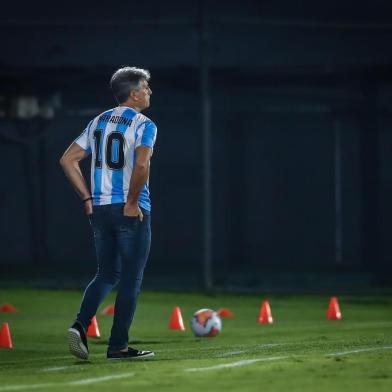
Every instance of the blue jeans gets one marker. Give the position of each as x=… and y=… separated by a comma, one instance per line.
x=122, y=246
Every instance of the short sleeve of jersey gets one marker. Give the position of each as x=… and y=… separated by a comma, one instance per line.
x=146, y=134
x=83, y=140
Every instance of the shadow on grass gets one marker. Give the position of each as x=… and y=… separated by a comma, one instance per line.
x=106, y=342
x=83, y=362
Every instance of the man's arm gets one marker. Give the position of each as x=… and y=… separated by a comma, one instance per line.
x=70, y=164
x=139, y=177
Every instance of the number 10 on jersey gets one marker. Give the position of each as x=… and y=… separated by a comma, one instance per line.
x=113, y=148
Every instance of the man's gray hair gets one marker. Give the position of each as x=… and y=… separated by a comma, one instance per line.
x=126, y=79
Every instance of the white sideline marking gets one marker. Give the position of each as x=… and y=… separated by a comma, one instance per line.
x=65, y=384
x=100, y=379
x=234, y=364
x=229, y=353
x=55, y=369
x=359, y=350
x=250, y=361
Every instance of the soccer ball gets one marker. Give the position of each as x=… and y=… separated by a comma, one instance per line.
x=206, y=322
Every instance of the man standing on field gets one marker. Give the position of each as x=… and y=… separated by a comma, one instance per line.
x=120, y=142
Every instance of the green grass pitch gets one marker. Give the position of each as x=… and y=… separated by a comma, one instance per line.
x=301, y=351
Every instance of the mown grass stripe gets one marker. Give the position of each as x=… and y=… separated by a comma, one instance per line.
x=87, y=381
x=252, y=349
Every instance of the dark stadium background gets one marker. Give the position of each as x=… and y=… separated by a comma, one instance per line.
x=295, y=100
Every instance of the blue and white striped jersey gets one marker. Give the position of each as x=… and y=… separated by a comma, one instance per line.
x=112, y=138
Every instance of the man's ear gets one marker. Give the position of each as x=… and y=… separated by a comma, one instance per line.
x=134, y=95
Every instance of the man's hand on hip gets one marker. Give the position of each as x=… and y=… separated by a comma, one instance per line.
x=133, y=210
x=88, y=207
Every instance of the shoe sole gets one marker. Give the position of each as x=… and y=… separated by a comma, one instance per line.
x=76, y=346
x=150, y=355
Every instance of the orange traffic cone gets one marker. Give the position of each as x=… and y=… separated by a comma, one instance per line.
x=108, y=310
x=224, y=312
x=93, y=330
x=7, y=308
x=333, y=312
x=265, y=315
x=176, y=320
x=5, y=336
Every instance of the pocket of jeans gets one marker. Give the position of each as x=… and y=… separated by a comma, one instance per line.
x=130, y=217
x=131, y=221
